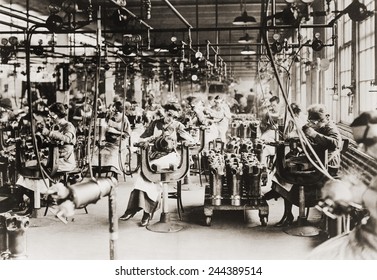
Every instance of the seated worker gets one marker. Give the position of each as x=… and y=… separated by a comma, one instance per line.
x=361, y=242
x=113, y=151
x=147, y=195
x=64, y=132
x=322, y=132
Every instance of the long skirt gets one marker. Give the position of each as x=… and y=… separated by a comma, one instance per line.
x=146, y=195
x=111, y=156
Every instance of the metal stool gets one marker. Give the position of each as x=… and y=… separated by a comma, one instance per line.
x=178, y=196
x=160, y=175
x=108, y=171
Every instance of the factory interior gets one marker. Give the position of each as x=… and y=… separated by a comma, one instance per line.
x=188, y=130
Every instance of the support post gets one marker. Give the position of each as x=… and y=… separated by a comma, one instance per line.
x=113, y=224
x=164, y=225
x=302, y=229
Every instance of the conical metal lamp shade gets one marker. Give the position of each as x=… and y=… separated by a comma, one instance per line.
x=244, y=19
x=245, y=39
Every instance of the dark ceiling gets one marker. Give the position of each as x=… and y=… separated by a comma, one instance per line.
x=203, y=24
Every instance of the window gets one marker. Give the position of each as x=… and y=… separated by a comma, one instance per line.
x=356, y=40
x=366, y=57
x=346, y=98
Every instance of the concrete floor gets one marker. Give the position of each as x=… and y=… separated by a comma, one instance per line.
x=230, y=237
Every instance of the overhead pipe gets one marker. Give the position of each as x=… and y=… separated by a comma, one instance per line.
x=29, y=34
x=178, y=30
x=230, y=45
x=230, y=52
x=240, y=61
x=20, y=17
x=15, y=11
x=167, y=66
x=96, y=120
x=217, y=32
x=10, y=24
x=189, y=39
x=273, y=11
x=27, y=14
x=189, y=26
x=209, y=45
x=197, y=20
x=152, y=46
x=131, y=57
x=178, y=14
x=240, y=28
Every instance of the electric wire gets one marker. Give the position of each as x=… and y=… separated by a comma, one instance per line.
x=122, y=130
x=302, y=137
x=30, y=104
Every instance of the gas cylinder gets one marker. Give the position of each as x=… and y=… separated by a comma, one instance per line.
x=16, y=227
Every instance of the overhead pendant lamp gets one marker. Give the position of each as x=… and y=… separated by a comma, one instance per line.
x=244, y=18
x=247, y=51
x=245, y=39
x=358, y=11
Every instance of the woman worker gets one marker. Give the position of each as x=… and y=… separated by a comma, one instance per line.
x=62, y=132
x=166, y=130
x=113, y=150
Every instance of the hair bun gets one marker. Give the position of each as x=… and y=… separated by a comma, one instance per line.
x=59, y=109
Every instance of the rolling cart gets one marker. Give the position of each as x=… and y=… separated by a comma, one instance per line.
x=261, y=206
x=234, y=184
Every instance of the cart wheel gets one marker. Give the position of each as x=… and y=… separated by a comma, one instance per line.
x=263, y=221
x=208, y=220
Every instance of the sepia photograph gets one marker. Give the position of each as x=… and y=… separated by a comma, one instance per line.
x=188, y=138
